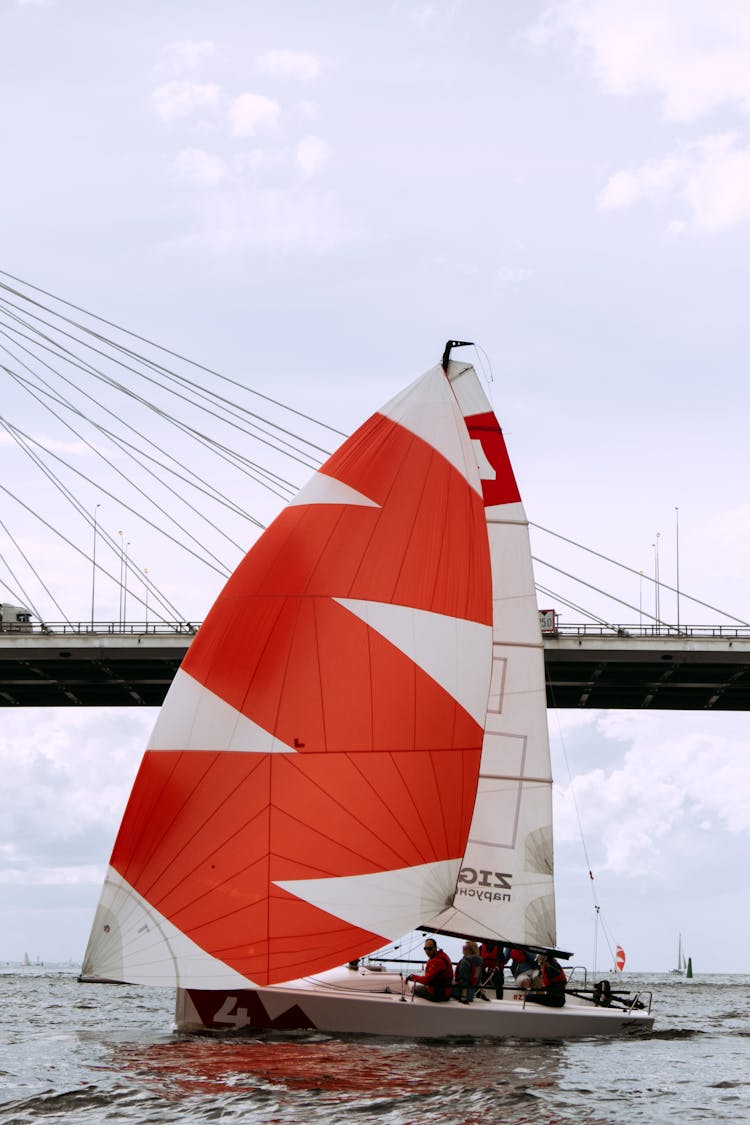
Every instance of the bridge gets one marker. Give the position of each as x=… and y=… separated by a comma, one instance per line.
x=587, y=666
x=145, y=459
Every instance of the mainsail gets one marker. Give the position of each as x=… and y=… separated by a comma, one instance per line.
x=505, y=888
x=310, y=784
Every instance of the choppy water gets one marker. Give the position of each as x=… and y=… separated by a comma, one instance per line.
x=106, y=1054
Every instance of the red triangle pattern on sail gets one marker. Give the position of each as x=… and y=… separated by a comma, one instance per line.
x=383, y=761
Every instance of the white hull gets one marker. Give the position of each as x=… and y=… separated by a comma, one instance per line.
x=371, y=1003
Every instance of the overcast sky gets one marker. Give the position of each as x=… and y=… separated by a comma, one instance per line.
x=311, y=199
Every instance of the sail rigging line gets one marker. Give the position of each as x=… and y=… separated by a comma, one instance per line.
x=159, y=347
x=639, y=574
x=599, y=918
x=226, y=452
x=485, y=363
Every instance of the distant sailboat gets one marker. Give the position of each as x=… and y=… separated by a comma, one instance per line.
x=681, y=963
x=619, y=959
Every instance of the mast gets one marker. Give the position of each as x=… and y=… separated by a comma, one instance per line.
x=450, y=344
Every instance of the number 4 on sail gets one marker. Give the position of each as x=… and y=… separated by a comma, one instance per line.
x=355, y=747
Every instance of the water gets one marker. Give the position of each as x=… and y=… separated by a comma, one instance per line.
x=106, y=1054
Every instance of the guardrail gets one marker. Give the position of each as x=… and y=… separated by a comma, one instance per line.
x=636, y=632
x=103, y=628
x=189, y=628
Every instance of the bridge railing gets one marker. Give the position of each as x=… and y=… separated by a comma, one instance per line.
x=103, y=628
x=635, y=632
x=189, y=628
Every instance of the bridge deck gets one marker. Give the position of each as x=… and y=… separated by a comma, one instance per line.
x=695, y=670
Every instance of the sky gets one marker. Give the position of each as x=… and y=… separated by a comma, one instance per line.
x=311, y=199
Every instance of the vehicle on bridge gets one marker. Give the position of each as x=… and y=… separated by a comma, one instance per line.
x=14, y=618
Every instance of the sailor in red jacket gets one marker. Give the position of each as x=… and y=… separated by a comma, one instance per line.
x=549, y=986
x=436, y=982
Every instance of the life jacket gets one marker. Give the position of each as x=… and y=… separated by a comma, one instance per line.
x=553, y=976
x=491, y=954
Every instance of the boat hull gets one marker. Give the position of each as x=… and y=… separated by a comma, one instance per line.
x=357, y=1004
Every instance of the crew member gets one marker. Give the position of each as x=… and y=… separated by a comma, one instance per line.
x=493, y=967
x=523, y=967
x=549, y=986
x=468, y=973
x=437, y=980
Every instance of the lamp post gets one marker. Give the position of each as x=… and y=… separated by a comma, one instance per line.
x=677, y=561
x=122, y=564
x=93, y=569
x=145, y=589
x=125, y=589
x=640, y=601
x=656, y=582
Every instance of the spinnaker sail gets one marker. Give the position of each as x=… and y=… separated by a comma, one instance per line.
x=310, y=783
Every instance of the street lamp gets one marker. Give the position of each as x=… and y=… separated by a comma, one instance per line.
x=93, y=569
x=677, y=560
x=122, y=563
x=656, y=582
x=125, y=589
x=145, y=588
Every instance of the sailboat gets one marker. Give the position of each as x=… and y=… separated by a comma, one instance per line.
x=355, y=747
x=681, y=962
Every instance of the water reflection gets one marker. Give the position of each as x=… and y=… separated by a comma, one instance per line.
x=426, y=1080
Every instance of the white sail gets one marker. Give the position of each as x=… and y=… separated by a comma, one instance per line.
x=505, y=888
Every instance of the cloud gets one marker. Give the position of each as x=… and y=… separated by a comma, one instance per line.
x=690, y=55
x=509, y=275
x=185, y=55
x=727, y=536
x=195, y=166
x=312, y=155
x=708, y=180
x=251, y=113
x=308, y=110
x=302, y=66
x=665, y=799
x=66, y=778
x=177, y=100
x=280, y=220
